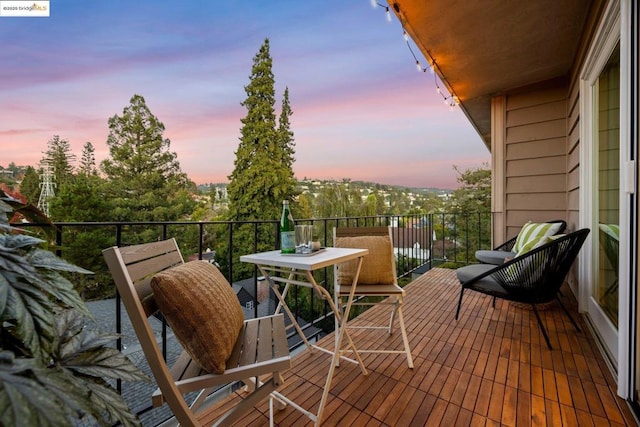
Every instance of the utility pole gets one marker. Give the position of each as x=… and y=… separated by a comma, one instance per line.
x=47, y=185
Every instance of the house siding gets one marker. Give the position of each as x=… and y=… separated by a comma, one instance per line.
x=535, y=163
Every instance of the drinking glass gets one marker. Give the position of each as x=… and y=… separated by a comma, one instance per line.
x=304, y=239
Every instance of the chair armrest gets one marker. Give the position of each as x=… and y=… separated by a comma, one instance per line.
x=511, y=272
x=506, y=246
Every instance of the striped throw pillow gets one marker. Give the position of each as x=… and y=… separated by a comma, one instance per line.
x=532, y=233
x=536, y=243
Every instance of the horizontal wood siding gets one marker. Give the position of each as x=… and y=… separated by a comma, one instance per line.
x=573, y=155
x=536, y=156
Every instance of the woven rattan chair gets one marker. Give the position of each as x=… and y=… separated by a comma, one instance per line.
x=532, y=278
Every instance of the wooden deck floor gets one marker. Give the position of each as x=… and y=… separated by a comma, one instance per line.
x=491, y=367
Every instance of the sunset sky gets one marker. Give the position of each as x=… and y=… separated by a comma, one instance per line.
x=361, y=110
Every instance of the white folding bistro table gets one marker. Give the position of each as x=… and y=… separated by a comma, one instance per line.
x=297, y=269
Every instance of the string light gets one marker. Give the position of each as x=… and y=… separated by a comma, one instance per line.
x=375, y=4
x=450, y=100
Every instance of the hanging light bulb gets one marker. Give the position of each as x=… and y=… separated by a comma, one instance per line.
x=405, y=36
x=388, y=14
x=374, y=3
x=432, y=66
x=418, y=65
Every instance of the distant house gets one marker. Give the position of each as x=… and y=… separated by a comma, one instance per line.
x=255, y=296
x=412, y=242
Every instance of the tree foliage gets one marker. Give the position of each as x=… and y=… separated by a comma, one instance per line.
x=339, y=199
x=262, y=175
x=30, y=185
x=88, y=160
x=285, y=135
x=474, y=192
x=61, y=158
x=470, y=206
x=144, y=176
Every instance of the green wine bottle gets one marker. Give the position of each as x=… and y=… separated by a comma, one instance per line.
x=287, y=230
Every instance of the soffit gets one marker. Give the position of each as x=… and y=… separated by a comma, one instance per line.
x=485, y=48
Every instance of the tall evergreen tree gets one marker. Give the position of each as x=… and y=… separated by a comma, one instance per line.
x=262, y=176
x=88, y=160
x=61, y=158
x=145, y=176
x=285, y=135
x=30, y=185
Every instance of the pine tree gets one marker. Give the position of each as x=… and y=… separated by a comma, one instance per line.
x=262, y=176
x=30, y=185
x=61, y=158
x=145, y=176
x=285, y=135
x=88, y=160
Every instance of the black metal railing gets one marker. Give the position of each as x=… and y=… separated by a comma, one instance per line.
x=421, y=241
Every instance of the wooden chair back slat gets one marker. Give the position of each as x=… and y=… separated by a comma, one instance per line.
x=142, y=269
x=234, y=358
x=280, y=339
x=135, y=253
x=265, y=349
x=249, y=345
x=362, y=231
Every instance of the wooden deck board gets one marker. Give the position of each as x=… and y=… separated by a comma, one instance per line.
x=491, y=367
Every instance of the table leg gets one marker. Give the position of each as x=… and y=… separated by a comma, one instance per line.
x=283, y=305
x=340, y=332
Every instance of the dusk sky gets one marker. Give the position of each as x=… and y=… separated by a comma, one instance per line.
x=361, y=110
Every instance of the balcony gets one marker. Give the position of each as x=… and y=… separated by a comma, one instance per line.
x=492, y=367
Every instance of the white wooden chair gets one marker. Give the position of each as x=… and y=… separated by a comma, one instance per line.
x=381, y=258
x=261, y=349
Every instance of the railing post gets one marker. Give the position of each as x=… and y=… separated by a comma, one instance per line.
x=118, y=309
x=466, y=234
x=230, y=252
x=200, y=239
x=255, y=267
x=59, y=241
